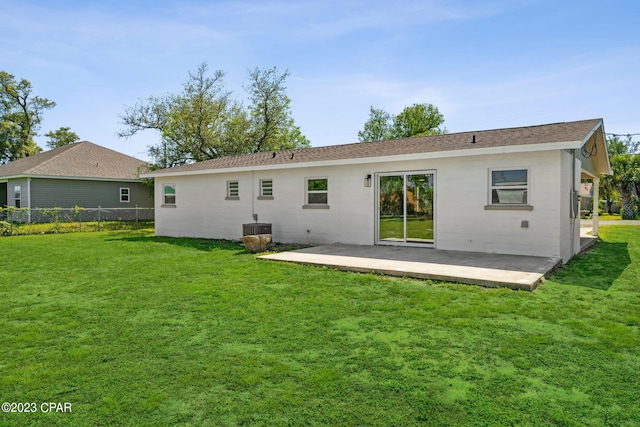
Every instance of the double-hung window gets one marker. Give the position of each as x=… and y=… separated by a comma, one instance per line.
x=17, y=196
x=169, y=193
x=317, y=192
x=509, y=187
x=125, y=194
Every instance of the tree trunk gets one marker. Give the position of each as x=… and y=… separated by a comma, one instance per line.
x=626, y=203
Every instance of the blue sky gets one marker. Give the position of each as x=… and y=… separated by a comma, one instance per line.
x=484, y=64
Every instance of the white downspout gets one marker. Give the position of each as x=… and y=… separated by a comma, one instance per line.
x=575, y=203
x=595, y=217
x=572, y=198
x=253, y=196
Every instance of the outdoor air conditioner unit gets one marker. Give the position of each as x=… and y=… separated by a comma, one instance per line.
x=256, y=228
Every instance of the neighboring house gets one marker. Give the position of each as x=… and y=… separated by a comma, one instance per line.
x=510, y=191
x=81, y=174
x=586, y=206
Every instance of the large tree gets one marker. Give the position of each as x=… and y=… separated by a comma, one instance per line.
x=152, y=114
x=414, y=120
x=418, y=120
x=204, y=121
x=197, y=117
x=20, y=118
x=272, y=127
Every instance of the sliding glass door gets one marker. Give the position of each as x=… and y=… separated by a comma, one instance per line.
x=405, y=210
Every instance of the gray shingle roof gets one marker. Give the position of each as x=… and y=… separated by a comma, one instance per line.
x=550, y=133
x=81, y=159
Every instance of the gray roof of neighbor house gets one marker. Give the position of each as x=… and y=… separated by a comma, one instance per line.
x=568, y=132
x=78, y=160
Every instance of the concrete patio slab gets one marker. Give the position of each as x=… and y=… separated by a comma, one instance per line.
x=491, y=270
x=586, y=238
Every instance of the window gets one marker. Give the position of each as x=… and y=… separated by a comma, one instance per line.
x=317, y=191
x=17, y=196
x=124, y=195
x=509, y=187
x=266, y=189
x=169, y=192
x=233, y=192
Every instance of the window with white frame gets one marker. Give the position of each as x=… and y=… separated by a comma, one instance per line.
x=169, y=193
x=509, y=187
x=317, y=191
x=266, y=188
x=125, y=194
x=233, y=190
x=17, y=196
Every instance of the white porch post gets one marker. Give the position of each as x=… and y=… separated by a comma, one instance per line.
x=596, y=206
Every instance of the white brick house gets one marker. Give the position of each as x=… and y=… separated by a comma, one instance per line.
x=512, y=191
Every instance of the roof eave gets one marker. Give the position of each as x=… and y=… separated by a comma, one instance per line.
x=547, y=146
x=602, y=162
x=78, y=178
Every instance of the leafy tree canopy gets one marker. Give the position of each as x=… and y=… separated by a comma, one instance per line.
x=204, y=121
x=60, y=137
x=418, y=120
x=21, y=114
x=414, y=120
x=20, y=118
x=379, y=126
x=625, y=181
x=618, y=145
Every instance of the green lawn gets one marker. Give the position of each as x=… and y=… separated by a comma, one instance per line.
x=417, y=228
x=607, y=217
x=136, y=330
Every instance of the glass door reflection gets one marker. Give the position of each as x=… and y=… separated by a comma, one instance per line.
x=406, y=207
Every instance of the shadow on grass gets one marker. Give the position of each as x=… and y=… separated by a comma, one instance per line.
x=206, y=245
x=598, y=268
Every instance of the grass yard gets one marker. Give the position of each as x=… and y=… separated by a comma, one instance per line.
x=607, y=217
x=417, y=228
x=131, y=329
